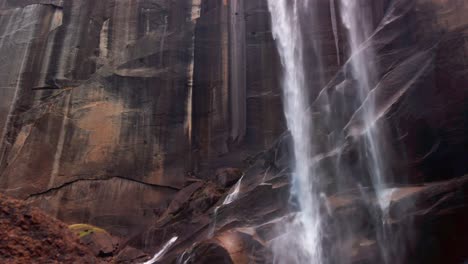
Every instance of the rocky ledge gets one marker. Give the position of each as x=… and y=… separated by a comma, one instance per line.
x=238, y=222
x=237, y=217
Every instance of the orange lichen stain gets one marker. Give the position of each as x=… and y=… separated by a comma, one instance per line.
x=401, y=193
x=102, y=122
x=158, y=173
x=19, y=142
x=234, y=244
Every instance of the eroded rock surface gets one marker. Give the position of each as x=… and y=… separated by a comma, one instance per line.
x=142, y=116
x=28, y=235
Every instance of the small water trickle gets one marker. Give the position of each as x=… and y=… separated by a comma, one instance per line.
x=357, y=19
x=235, y=192
x=213, y=226
x=231, y=197
x=163, y=39
x=184, y=258
x=163, y=251
x=335, y=31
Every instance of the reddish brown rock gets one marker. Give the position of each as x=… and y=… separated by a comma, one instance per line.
x=131, y=255
x=27, y=235
x=101, y=243
x=227, y=177
x=107, y=106
x=208, y=253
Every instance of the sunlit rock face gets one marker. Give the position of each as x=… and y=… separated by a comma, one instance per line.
x=111, y=111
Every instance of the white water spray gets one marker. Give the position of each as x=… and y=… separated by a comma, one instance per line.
x=302, y=243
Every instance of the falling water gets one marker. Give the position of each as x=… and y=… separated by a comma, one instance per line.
x=231, y=197
x=163, y=251
x=163, y=39
x=335, y=30
x=213, y=226
x=358, y=23
x=302, y=242
x=357, y=19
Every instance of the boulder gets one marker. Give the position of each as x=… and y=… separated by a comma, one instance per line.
x=98, y=240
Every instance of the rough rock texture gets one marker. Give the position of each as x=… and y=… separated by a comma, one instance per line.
x=101, y=243
x=209, y=253
x=431, y=215
x=98, y=95
x=130, y=99
x=120, y=114
x=27, y=235
x=420, y=48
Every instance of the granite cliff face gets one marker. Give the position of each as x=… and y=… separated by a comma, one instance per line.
x=125, y=115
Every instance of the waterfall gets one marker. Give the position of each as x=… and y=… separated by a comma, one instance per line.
x=301, y=243
x=359, y=27
x=358, y=21
x=303, y=236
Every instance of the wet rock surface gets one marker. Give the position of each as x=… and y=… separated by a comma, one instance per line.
x=208, y=253
x=430, y=215
x=142, y=116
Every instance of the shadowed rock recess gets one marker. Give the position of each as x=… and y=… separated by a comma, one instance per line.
x=160, y=122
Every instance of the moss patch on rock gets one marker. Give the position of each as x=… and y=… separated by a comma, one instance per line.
x=83, y=230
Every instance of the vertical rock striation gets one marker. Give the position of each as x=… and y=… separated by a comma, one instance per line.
x=125, y=99
x=110, y=108
x=96, y=104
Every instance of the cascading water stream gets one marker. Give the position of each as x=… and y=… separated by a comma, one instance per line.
x=359, y=28
x=358, y=23
x=301, y=244
x=231, y=197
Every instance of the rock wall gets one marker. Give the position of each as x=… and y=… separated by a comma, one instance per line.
x=237, y=109
x=110, y=108
x=422, y=96
x=96, y=114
